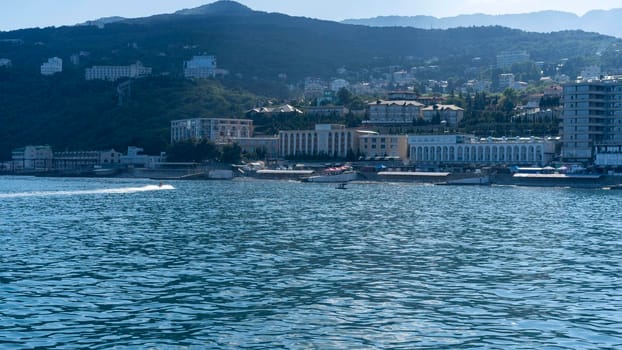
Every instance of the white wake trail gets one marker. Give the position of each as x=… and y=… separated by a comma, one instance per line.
x=120, y=190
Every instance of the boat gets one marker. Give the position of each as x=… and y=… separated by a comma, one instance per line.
x=575, y=177
x=334, y=174
x=341, y=186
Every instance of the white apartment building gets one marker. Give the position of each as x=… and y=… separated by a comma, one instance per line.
x=471, y=150
x=112, y=73
x=394, y=112
x=592, y=117
x=333, y=140
x=217, y=130
x=52, y=66
x=200, y=67
x=449, y=113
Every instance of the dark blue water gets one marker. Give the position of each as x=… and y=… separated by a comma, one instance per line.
x=94, y=263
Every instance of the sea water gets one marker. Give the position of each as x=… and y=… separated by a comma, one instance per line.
x=118, y=263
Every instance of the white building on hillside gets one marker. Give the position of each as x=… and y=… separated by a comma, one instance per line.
x=394, y=112
x=52, y=66
x=112, y=73
x=451, y=114
x=200, y=67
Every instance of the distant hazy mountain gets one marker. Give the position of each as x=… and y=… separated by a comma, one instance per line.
x=600, y=21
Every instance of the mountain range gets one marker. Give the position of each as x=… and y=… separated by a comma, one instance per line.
x=600, y=21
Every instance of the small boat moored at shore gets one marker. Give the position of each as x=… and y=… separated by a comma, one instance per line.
x=336, y=174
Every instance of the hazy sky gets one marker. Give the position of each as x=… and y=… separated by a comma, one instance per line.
x=15, y=14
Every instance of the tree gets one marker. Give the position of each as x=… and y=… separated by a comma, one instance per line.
x=508, y=101
x=180, y=152
x=344, y=96
x=190, y=151
x=231, y=153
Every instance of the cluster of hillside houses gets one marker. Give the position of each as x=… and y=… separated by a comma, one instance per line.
x=591, y=134
x=591, y=128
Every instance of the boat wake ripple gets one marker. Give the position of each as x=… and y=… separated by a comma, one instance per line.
x=121, y=190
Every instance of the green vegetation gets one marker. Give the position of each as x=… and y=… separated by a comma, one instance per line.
x=259, y=50
x=77, y=114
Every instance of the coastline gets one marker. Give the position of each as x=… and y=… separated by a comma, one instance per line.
x=595, y=181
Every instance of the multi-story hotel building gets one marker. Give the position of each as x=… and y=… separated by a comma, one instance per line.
x=394, y=112
x=470, y=150
x=332, y=140
x=592, y=117
x=200, y=67
x=112, y=73
x=449, y=113
x=217, y=130
x=52, y=66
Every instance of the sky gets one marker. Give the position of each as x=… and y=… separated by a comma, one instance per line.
x=16, y=14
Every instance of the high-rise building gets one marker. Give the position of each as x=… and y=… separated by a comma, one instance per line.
x=592, y=117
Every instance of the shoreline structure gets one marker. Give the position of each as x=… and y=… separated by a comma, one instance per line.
x=542, y=177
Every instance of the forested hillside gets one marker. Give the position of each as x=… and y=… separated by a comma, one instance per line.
x=265, y=54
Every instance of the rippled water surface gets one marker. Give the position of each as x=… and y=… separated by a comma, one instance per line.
x=95, y=263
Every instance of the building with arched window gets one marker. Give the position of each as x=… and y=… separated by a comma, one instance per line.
x=470, y=150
